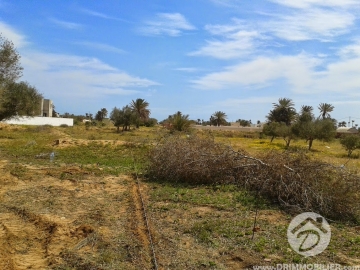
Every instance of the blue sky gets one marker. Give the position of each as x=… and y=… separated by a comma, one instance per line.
x=197, y=57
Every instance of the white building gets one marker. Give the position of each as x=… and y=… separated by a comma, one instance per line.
x=44, y=118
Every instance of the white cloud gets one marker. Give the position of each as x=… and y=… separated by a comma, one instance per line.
x=100, y=46
x=187, y=69
x=235, y=41
x=171, y=24
x=322, y=3
x=227, y=3
x=65, y=24
x=238, y=102
x=100, y=15
x=310, y=24
x=261, y=72
x=300, y=74
x=342, y=76
x=240, y=38
x=242, y=45
x=12, y=35
x=69, y=76
x=351, y=50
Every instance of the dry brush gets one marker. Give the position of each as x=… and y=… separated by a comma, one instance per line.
x=292, y=179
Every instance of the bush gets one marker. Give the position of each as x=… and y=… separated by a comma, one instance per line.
x=192, y=159
x=63, y=125
x=151, y=122
x=291, y=179
x=350, y=143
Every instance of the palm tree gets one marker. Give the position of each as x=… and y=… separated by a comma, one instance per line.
x=180, y=122
x=306, y=113
x=219, y=118
x=139, y=106
x=283, y=111
x=342, y=124
x=306, y=109
x=325, y=110
x=284, y=103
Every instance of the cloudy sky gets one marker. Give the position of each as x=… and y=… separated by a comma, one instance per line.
x=197, y=57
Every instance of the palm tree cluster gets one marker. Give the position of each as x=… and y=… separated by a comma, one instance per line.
x=135, y=113
x=285, y=122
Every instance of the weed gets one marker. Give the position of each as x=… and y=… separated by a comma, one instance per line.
x=16, y=170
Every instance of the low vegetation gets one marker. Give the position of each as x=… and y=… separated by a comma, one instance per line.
x=81, y=209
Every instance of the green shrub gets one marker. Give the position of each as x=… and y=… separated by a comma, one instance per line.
x=350, y=143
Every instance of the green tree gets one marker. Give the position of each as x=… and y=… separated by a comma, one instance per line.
x=219, y=118
x=244, y=123
x=124, y=118
x=279, y=120
x=211, y=120
x=286, y=132
x=350, y=143
x=283, y=111
x=342, y=124
x=151, y=122
x=100, y=115
x=140, y=108
x=16, y=98
x=19, y=99
x=270, y=129
x=310, y=129
x=325, y=110
x=54, y=113
x=10, y=68
x=317, y=129
x=178, y=122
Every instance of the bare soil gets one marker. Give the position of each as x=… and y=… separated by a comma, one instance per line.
x=52, y=223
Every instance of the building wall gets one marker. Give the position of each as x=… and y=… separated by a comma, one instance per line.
x=46, y=107
x=40, y=121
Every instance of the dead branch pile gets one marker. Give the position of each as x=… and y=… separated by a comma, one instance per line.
x=291, y=179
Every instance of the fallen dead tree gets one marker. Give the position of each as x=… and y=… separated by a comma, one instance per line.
x=293, y=180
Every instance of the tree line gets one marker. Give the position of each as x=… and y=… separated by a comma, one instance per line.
x=20, y=98
x=283, y=121
x=136, y=113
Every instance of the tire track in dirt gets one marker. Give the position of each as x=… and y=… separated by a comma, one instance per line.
x=139, y=227
x=5, y=252
x=41, y=221
x=22, y=244
x=46, y=226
